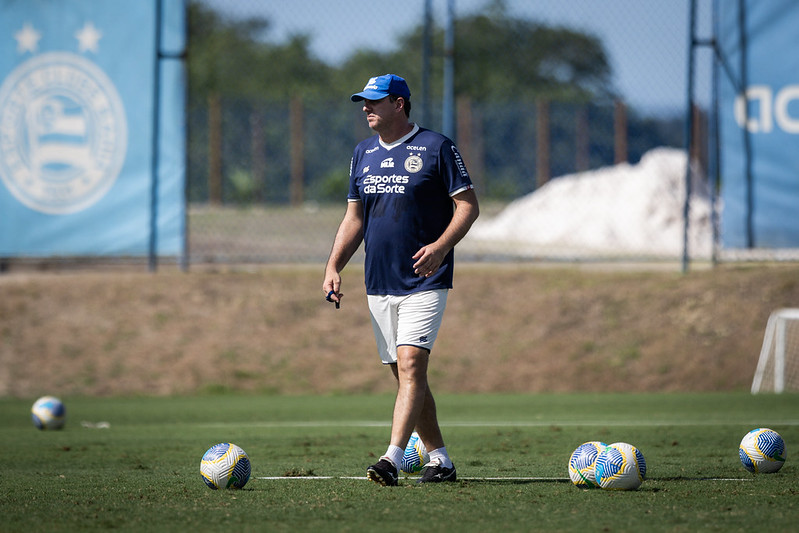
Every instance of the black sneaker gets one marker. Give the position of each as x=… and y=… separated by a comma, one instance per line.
x=435, y=473
x=383, y=472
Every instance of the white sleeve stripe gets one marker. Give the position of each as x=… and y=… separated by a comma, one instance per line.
x=458, y=191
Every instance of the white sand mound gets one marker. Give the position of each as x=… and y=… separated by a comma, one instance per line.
x=620, y=210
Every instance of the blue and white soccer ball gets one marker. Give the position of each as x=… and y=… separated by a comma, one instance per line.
x=620, y=466
x=582, y=463
x=48, y=412
x=762, y=450
x=415, y=456
x=225, y=466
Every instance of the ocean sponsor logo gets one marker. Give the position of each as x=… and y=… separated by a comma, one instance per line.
x=412, y=148
x=372, y=150
x=414, y=163
x=393, y=184
x=387, y=163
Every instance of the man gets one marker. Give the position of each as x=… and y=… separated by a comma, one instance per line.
x=410, y=201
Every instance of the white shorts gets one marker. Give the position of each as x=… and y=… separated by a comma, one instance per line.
x=411, y=319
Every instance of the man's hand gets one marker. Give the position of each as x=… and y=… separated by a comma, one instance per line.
x=331, y=288
x=428, y=259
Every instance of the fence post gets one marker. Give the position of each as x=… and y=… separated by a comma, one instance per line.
x=469, y=140
x=582, y=158
x=214, y=149
x=296, y=190
x=464, y=130
x=542, y=142
x=478, y=163
x=257, y=155
x=699, y=155
x=620, y=132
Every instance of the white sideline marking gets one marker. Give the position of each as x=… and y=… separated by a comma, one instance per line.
x=270, y=478
x=547, y=423
x=416, y=477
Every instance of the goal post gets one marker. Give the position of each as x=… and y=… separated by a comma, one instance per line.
x=778, y=365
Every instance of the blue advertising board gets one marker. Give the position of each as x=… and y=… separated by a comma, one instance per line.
x=92, y=136
x=760, y=196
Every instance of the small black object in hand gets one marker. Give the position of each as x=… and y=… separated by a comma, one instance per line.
x=329, y=299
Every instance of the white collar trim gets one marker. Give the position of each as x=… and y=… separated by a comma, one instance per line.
x=401, y=139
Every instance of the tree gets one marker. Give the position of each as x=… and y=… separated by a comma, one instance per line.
x=499, y=57
x=233, y=58
x=219, y=52
x=517, y=59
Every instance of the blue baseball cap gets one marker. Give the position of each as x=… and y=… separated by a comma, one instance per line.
x=382, y=86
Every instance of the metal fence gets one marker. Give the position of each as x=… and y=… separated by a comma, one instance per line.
x=570, y=116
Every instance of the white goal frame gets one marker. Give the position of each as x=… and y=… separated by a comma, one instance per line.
x=770, y=372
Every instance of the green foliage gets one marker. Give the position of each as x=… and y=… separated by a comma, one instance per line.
x=333, y=187
x=244, y=187
x=498, y=57
x=234, y=59
x=142, y=473
x=508, y=59
x=219, y=52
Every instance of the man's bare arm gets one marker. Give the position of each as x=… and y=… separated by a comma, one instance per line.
x=348, y=238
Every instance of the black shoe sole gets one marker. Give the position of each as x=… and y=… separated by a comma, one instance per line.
x=373, y=475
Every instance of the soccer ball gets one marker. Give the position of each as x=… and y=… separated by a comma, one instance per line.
x=48, y=412
x=225, y=466
x=762, y=450
x=415, y=456
x=582, y=461
x=620, y=466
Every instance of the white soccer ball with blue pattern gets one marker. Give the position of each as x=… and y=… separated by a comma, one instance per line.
x=48, y=412
x=415, y=456
x=762, y=450
x=582, y=463
x=620, y=466
x=225, y=466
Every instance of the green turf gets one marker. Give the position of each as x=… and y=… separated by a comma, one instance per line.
x=142, y=473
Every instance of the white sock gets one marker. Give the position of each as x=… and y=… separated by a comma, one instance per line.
x=442, y=456
x=394, y=455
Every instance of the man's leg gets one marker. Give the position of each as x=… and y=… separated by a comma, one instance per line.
x=415, y=318
x=414, y=407
x=427, y=424
x=410, y=371
x=415, y=402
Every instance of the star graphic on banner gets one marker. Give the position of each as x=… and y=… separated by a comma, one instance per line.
x=88, y=37
x=27, y=39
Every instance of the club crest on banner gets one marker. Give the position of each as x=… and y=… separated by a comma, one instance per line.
x=63, y=129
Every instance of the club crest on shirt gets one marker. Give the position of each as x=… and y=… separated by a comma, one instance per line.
x=414, y=163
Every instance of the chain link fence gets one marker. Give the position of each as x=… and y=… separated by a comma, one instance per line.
x=570, y=117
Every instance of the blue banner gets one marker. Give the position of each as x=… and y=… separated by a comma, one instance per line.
x=760, y=206
x=86, y=167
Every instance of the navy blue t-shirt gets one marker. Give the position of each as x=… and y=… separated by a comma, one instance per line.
x=406, y=190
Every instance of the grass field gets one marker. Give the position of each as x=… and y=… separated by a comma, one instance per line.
x=142, y=473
